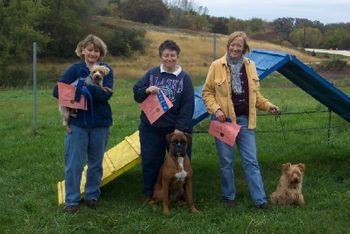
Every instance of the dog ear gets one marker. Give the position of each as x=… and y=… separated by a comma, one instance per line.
x=106, y=70
x=286, y=166
x=168, y=137
x=301, y=166
x=188, y=137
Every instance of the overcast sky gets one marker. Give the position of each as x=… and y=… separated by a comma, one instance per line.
x=325, y=11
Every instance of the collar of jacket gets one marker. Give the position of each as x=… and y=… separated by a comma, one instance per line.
x=223, y=60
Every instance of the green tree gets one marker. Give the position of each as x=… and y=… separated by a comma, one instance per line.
x=284, y=26
x=219, y=25
x=151, y=11
x=236, y=25
x=306, y=37
x=256, y=25
x=336, y=38
x=19, y=28
x=66, y=22
x=126, y=41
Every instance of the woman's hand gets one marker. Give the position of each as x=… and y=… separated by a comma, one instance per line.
x=220, y=115
x=152, y=90
x=274, y=109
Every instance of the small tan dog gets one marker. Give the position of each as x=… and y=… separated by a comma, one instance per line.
x=97, y=73
x=290, y=185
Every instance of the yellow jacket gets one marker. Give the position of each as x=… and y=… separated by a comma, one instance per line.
x=217, y=90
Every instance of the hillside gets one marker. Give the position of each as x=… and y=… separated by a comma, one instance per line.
x=196, y=49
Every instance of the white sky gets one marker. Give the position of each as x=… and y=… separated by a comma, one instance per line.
x=325, y=11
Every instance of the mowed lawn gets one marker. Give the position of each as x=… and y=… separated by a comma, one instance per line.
x=31, y=163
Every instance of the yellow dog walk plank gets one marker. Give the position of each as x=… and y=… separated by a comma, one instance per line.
x=116, y=161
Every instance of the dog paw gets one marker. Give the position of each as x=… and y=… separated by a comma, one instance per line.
x=195, y=211
x=166, y=211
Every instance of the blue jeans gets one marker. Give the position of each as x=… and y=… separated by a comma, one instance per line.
x=247, y=149
x=84, y=145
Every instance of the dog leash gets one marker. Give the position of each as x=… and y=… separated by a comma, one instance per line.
x=278, y=116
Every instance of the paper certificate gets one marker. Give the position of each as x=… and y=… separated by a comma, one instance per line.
x=155, y=105
x=225, y=132
x=66, y=94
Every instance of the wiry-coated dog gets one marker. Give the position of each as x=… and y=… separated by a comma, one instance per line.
x=174, y=181
x=289, y=189
x=97, y=73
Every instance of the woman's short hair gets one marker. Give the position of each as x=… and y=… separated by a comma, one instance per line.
x=91, y=40
x=170, y=45
x=241, y=34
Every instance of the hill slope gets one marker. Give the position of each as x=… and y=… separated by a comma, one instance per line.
x=196, y=49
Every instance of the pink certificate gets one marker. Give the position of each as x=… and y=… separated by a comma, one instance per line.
x=225, y=132
x=66, y=95
x=155, y=105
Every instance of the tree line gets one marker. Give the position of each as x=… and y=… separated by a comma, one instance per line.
x=57, y=25
x=287, y=31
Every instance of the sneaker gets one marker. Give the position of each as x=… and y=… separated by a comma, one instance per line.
x=264, y=206
x=229, y=203
x=91, y=203
x=71, y=209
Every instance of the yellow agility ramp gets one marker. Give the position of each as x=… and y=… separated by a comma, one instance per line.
x=116, y=161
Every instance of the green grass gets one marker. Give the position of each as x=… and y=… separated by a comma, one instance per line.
x=31, y=163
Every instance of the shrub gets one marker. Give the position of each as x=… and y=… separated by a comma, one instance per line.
x=333, y=65
x=124, y=42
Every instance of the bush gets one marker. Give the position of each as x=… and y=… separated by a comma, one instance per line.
x=126, y=41
x=17, y=75
x=333, y=65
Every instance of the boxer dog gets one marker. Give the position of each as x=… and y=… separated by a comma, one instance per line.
x=174, y=181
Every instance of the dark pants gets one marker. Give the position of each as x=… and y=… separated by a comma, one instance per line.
x=153, y=149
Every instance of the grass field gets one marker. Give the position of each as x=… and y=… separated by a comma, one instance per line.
x=31, y=163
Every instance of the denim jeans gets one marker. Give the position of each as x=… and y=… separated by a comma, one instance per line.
x=247, y=149
x=84, y=145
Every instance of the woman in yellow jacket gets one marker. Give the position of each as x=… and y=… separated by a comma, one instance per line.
x=231, y=93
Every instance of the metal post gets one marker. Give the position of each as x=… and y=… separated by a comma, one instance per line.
x=214, y=46
x=35, y=109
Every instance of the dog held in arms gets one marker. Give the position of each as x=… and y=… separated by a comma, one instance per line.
x=289, y=189
x=97, y=73
x=174, y=181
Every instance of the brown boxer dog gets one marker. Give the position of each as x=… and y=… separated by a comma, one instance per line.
x=174, y=181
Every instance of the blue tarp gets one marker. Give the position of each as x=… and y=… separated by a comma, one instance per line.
x=297, y=72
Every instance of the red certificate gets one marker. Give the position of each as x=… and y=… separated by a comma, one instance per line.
x=155, y=105
x=66, y=95
x=225, y=132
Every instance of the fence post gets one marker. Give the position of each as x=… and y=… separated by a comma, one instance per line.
x=35, y=105
x=214, y=46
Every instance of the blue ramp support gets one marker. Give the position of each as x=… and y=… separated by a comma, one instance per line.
x=297, y=72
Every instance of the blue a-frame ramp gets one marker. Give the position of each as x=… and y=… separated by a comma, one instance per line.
x=296, y=71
